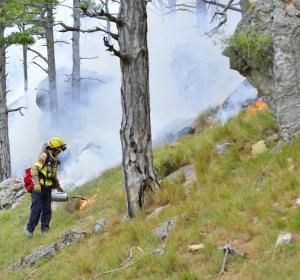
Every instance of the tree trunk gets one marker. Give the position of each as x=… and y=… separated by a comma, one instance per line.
x=172, y=11
x=162, y=8
x=51, y=58
x=108, y=27
x=138, y=171
x=25, y=70
x=5, y=165
x=76, y=52
x=201, y=13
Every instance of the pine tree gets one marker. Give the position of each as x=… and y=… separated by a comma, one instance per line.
x=10, y=11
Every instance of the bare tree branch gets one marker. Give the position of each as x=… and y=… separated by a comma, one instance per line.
x=41, y=89
x=182, y=5
x=180, y=10
x=190, y=8
x=19, y=109
x=102, y=15
x=223, y=15
x=93, y=79
x=60, y=41
x=69, y=79
x=95, y=57
x=39, y=54
x=111, y=48
x=96, y=29
x=45, y=70
x=222, y=5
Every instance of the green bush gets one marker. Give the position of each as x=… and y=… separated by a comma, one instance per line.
x=251, y=46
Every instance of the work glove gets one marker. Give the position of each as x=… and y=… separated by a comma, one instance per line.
x=37, y=188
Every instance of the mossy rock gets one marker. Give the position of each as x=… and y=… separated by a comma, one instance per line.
x=249, y=49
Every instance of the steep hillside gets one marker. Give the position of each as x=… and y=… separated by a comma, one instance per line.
x=238, y=197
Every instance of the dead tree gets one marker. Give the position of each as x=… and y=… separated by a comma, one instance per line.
x=5, y=161
x=25, y=66
x=136, y=137
x=108, y=28
x=51, y=57
x=76, y=51
x=201, y=10
x=201, y=13
x=172, y=8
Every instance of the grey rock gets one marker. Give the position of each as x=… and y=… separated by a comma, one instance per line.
x=273, y=138
x=12, y=192
x=276, y=80
x=189, y=174
x=164, y=229
x=297, y=4
x=221, y=148
x=100, y=226
x=38, y=254
x=72, y=235
x=168, y=133
x=292, y=11
x=298, y=201
x=48, y=251
x=284, y=238
x=157, y=211
x=278, y=147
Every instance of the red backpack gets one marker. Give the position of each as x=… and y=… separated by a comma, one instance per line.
x=28, y=180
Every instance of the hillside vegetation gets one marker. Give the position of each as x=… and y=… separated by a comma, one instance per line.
x=248, y=200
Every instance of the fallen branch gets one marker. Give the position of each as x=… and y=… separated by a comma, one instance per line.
x=126, y=263
x=19, y=109
x=128, y=260
x=32, y=272
x=113, y=270
x=228, y=249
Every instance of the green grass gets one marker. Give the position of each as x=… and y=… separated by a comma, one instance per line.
x=247, y=200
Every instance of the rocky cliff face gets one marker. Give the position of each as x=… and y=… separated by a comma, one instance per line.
x=266, y=50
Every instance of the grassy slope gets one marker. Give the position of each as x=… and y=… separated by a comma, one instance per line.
x=248, y=200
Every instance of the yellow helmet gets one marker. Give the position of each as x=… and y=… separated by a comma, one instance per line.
x=57, y=143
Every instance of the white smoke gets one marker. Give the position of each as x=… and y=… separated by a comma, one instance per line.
x=179, y=90
x=241, y=97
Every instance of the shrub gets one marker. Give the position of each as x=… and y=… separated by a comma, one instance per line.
x=251, y=46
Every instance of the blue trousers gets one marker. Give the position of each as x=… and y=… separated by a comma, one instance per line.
x=40, y=209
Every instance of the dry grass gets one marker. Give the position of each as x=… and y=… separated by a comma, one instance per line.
x=248, y=200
